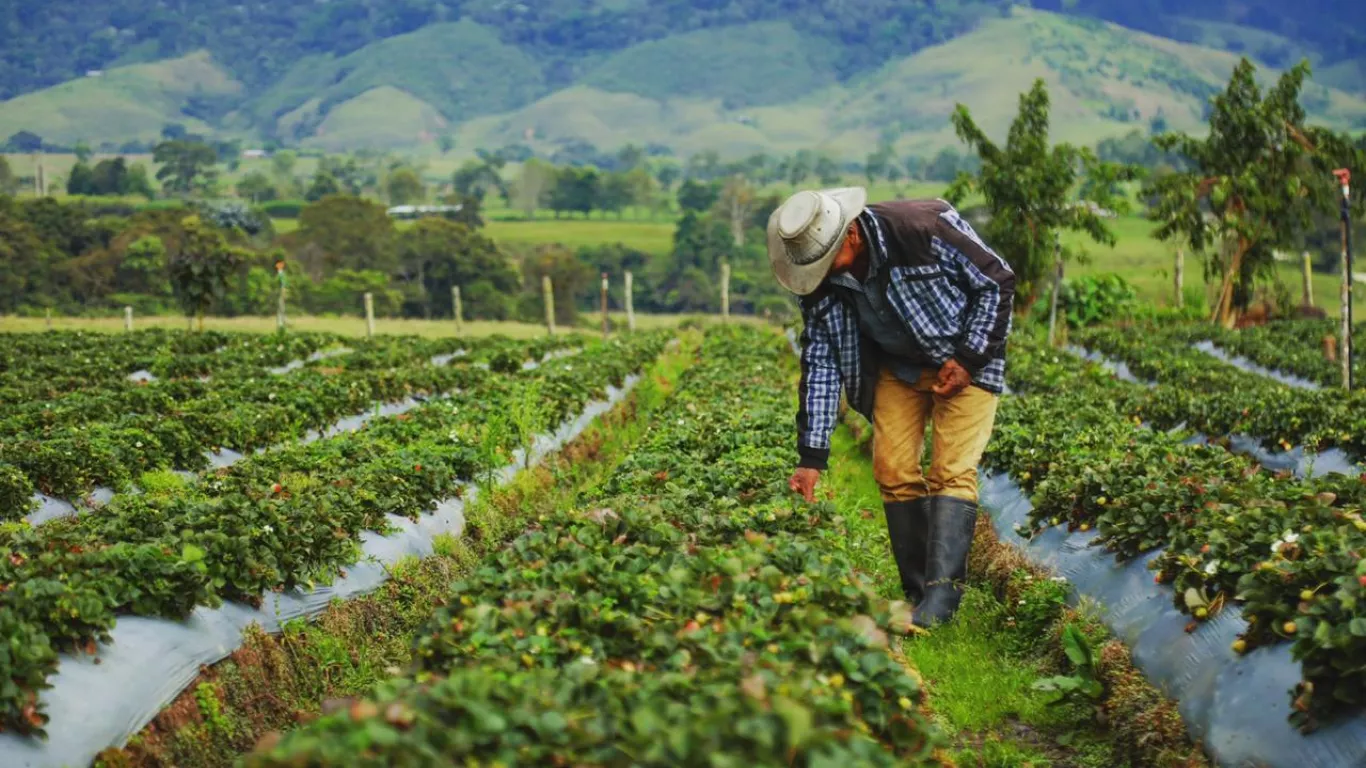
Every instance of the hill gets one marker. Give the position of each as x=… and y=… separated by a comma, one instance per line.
x=762, y=84
x=132, y=102
x=1105, y=81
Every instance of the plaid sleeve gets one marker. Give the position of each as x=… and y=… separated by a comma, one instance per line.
x=990, y=285
x=818, y=395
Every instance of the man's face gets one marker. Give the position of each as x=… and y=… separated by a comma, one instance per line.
x=849, y=251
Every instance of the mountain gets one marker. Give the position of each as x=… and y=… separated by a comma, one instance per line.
x=689, y=75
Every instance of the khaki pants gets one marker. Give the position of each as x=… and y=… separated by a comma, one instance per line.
x=962, y=427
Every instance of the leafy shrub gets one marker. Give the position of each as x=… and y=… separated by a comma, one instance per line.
x=1093, y=299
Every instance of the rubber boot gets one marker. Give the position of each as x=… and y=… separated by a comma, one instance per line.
x=908, y=527
x=952, y=522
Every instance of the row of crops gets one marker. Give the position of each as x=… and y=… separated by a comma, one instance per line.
x=63, y=435
x=686, y=612
x=1098, y=453
x=276, y=520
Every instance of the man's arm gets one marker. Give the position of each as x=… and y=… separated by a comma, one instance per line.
x=990, y=285
x=818, y=395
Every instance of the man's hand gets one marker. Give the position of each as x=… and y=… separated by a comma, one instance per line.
x=803, y=481
x=953, y=378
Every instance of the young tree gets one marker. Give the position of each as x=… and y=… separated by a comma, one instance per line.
x=82, y=151
x=1028, y=187
x=202, y=268
x=81, y=181
x=185, y=165
x=614, y=193
x=736, y=205
x=827, y=170
x=532, y=186
x=446, y=142
x=8, y=181
x=1253, y=184
x=799, y=167
x=667, y=174
x=695, y=196
x=324, y=185
x=405, y=186
x=349, y=233
x=435, y=254
x=879, y=162
x=257, y=187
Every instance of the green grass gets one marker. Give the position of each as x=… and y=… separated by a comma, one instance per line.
x=654, y=237
x=979, y=680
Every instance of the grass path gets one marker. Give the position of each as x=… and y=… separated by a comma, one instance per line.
x=979, y=669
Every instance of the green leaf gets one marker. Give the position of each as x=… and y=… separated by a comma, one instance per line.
x=796, y=717
x=1357, y=627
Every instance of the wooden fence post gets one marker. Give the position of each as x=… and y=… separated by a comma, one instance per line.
x=548, y=294
x=280, y=298
x=1345, y=344
x=725, y=292
x=369, y=315
x=128, y=318
x=604, y=305
x=630, y=303
x=1180, y=277
x=49, y=319
x=1308, y=281
x=1057, y=288
x=458, y=311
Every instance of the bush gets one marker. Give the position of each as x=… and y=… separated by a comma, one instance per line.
x=1092, y=299
x=283, y=209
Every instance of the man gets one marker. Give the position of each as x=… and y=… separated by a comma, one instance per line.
x=907, y=311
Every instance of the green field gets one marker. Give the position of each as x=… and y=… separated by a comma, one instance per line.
x=347, y=326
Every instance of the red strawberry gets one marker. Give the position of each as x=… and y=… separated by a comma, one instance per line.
x=276, y=488
x=417, y=468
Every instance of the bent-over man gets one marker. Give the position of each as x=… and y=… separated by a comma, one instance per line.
x=906, y=311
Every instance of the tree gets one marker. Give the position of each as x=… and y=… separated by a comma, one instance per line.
x=446, y=142
x=202, y=269
x=8, y=181
x=144, y=267
x=257, y=187
x=630, y=157
x=185, y=165
x=799, y=167
x=138, y=182
x=827, y=171
x=735, y=205
x=532, y=186
x=1028, y=187
x=570, y=278
x=436, y=254
x=24, y=141
x=81, y=181
x=111, y=177
x=324, y=185
x=1253, y=183
x=879, y=163
x=282, y=165
x=347, y=233
x=485, y=172
x=667, y=174
x=693, y=195
x=575, y=190
x=82, y=151
x=614, y=193
x=405, y=186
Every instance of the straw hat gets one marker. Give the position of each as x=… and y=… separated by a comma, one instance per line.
x=806, y=232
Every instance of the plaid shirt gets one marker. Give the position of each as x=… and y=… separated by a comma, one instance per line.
x=954, y=294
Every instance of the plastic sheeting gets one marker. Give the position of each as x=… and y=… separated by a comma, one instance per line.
x=1237, y=706
x=96, y=704
x=1289, y=379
